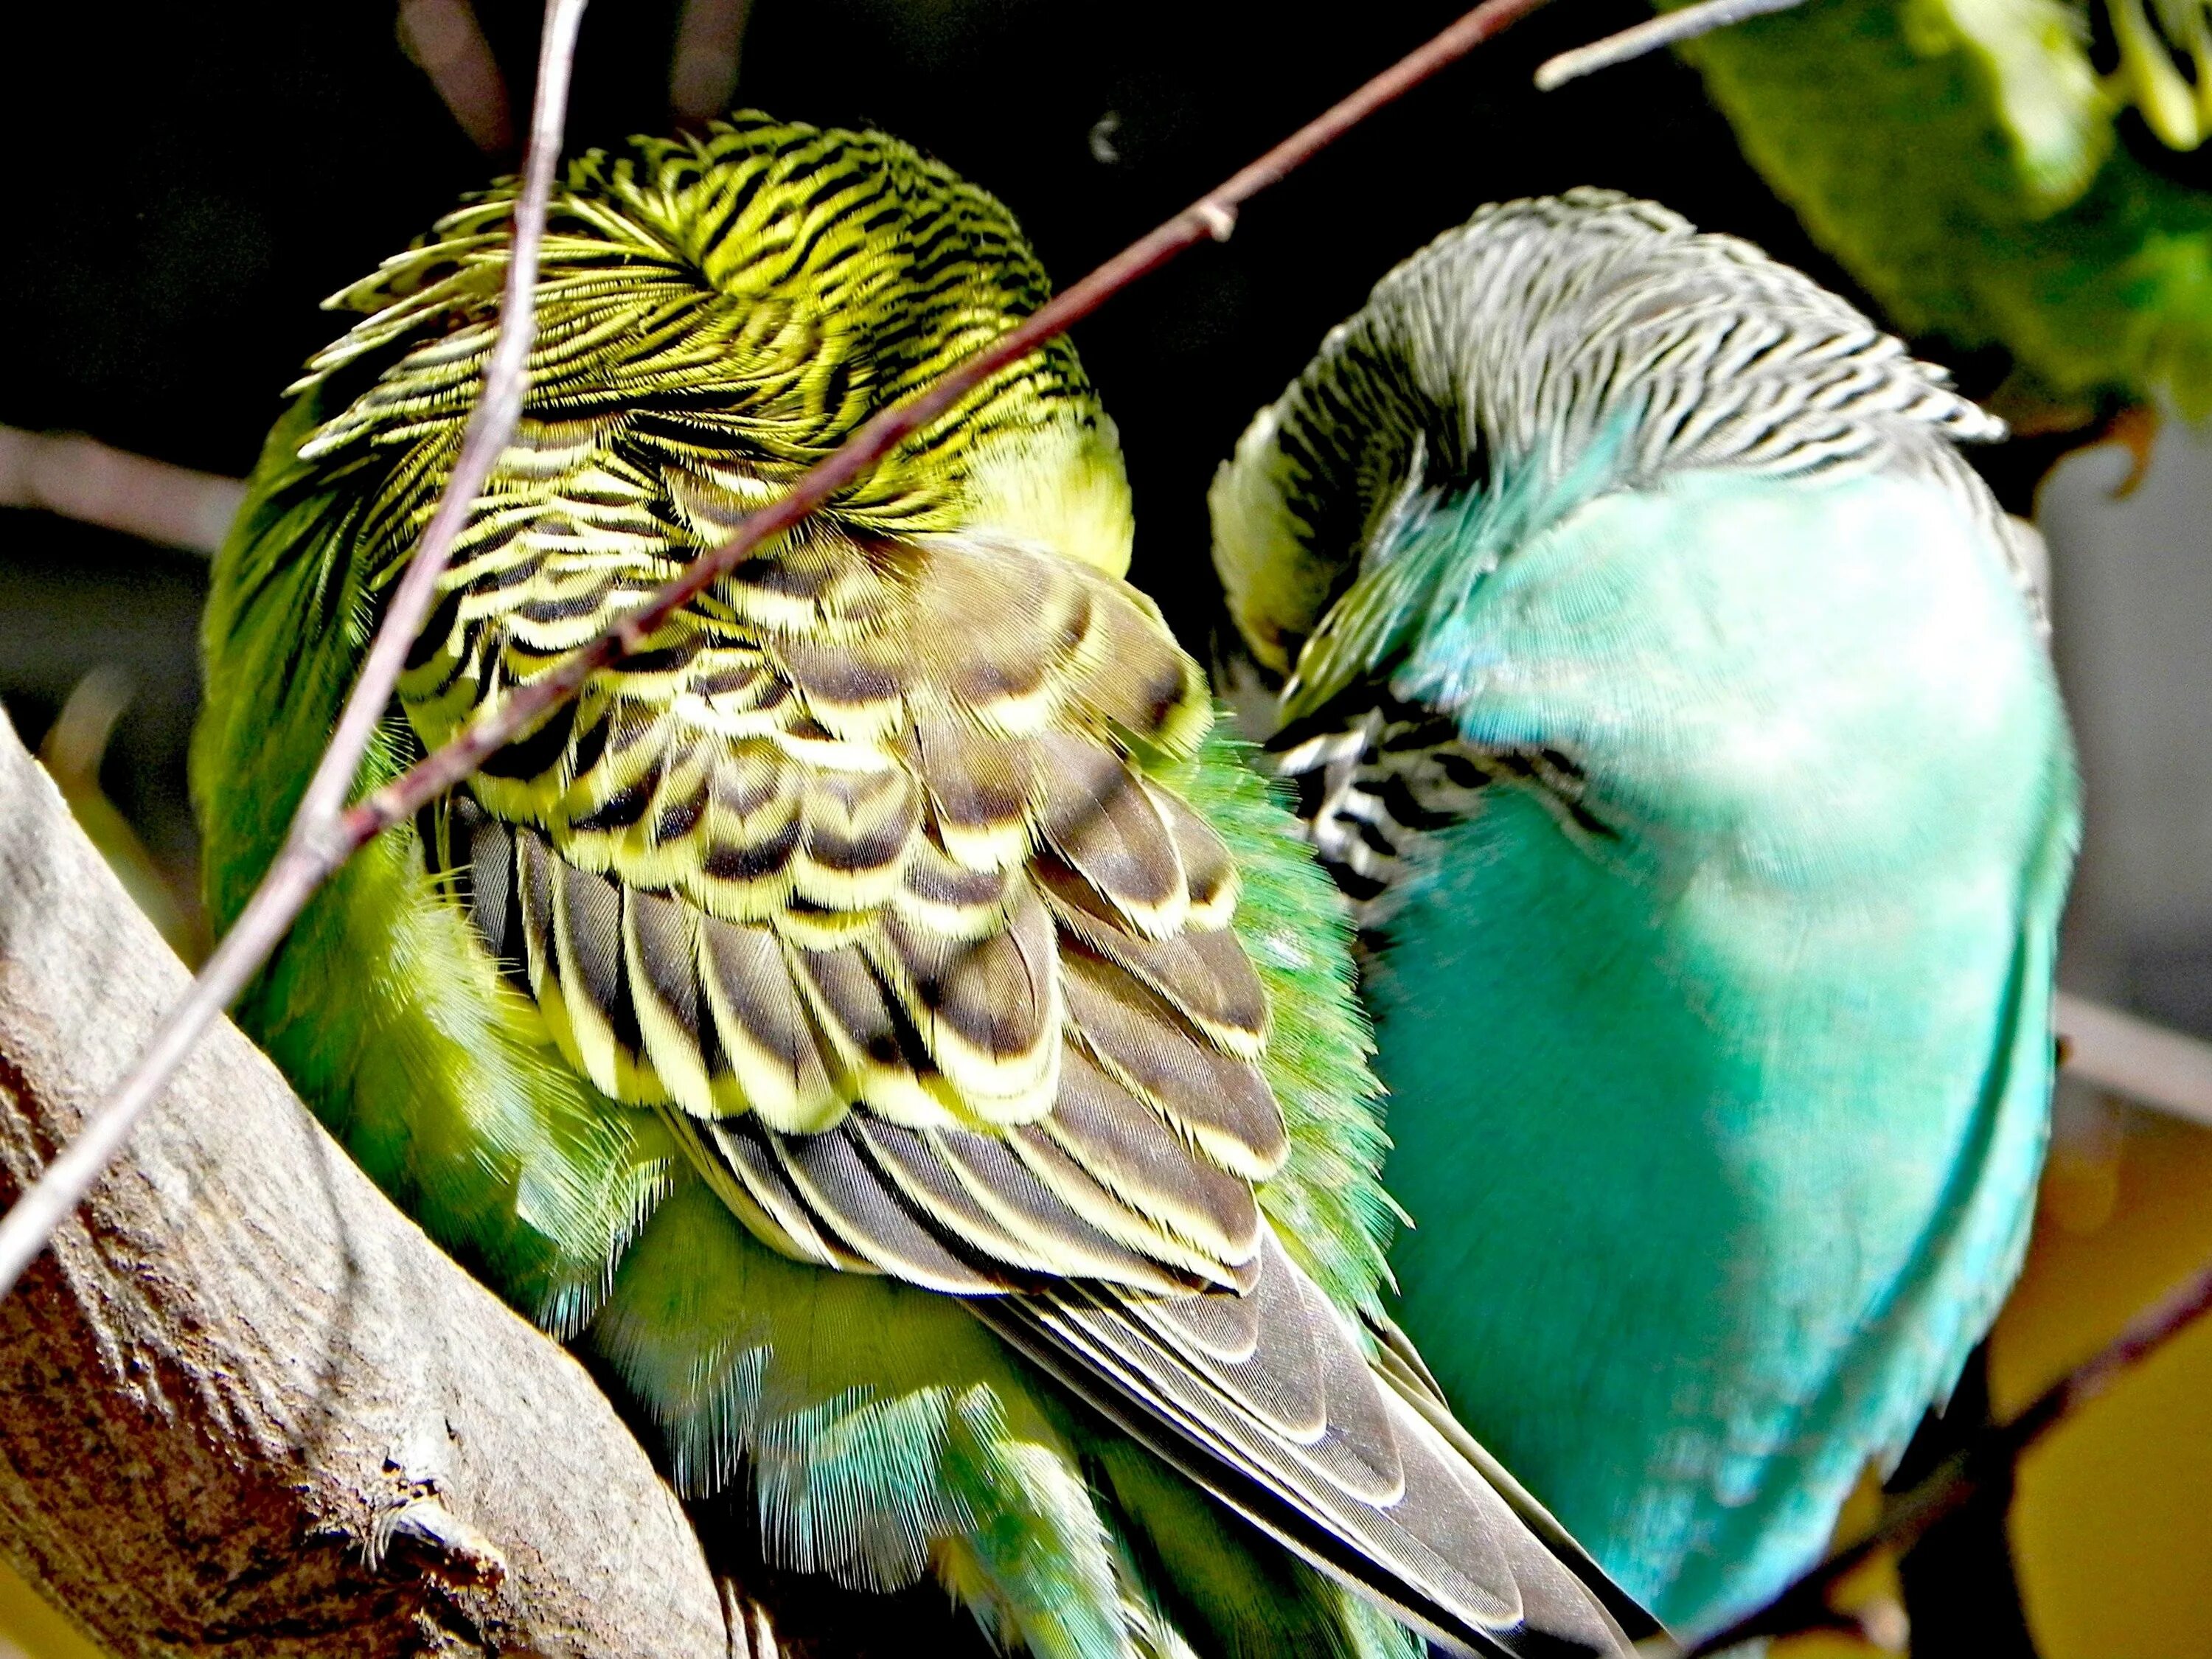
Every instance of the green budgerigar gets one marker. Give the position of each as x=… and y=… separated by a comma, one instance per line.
x=878, y=1018
x=1672, y=696
x=1969, y=166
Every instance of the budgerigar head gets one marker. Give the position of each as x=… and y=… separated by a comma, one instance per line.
x=754, y=292
x=1543, y=352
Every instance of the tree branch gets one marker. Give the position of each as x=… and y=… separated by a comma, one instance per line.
x=2146, y=1063
x=1668, y=29
x=245, y=1401
x=80, y=477
x=316, y=843
x=703, y=71
x=446, y=43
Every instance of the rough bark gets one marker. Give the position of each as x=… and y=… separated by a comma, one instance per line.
x=244, y=1404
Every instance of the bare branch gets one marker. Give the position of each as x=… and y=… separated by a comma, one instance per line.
x=447, y=44
x=1984, y=1469
x=703, y=74
x=248, y=1406
x=71, y=752
x=312, y=851
x=1669, y=29
x=2148, y=1064
x=81, y=479
x=319, y=843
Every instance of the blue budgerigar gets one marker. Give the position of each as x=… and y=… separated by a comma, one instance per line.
x=1671, y=698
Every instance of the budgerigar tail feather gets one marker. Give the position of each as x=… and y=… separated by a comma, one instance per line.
x=1267, y=1401
x=1216, y=1578
x=1400, y=1366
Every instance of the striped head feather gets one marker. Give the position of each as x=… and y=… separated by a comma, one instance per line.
x=730, y=307
x=1525, y=338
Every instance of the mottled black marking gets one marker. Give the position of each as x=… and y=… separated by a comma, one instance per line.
x=536, y=751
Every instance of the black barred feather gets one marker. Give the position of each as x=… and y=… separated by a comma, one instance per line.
x=1377, y=776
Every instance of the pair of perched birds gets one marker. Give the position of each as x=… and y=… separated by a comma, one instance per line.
x=888, y=1023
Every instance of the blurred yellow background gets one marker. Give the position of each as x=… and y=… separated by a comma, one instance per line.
x=2111, y=1525
x=29, y=1628
x=2111, y=1521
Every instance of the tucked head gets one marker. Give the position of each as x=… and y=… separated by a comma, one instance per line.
x=1584, y=489
x=1561, y=344
x=750, y=295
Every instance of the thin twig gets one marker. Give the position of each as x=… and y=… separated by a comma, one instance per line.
x=319, y=844
x=702, y=71
x=1670, y=30
x=447, y=44
x=1985, y=1466
x=313, y=850
x=81, y=479
x=2148, y=1064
